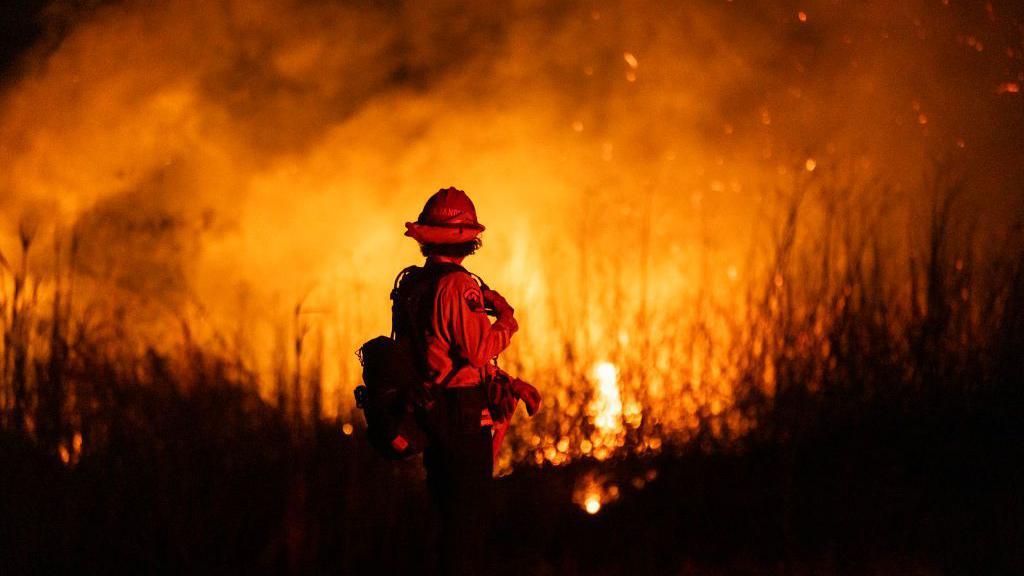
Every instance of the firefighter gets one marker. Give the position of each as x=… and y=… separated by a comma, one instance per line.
x=443, y=312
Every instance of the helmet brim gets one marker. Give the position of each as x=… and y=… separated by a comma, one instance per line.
x=425, y=234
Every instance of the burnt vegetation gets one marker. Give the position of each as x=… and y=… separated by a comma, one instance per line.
x=884, y=396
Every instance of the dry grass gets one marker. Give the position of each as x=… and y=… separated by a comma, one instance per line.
x=839, y=344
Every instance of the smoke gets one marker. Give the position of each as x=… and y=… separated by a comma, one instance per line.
x=228, y=160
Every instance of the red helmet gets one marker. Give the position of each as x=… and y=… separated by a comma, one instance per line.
x=448, y=217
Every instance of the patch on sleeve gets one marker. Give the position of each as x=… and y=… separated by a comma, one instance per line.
x=474, y=299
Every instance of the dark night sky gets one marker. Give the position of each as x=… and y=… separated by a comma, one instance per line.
x=20, y=26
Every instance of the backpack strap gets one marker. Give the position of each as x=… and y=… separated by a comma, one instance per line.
x=394, y=297
x=479, y=280
x=412, y=305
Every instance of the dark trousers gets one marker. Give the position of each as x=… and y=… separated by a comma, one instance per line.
x=459, y=467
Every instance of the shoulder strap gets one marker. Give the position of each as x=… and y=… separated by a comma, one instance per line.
x=412, y=303
x=394, y=297
x=483, y=285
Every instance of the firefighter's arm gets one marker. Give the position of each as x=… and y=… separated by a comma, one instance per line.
x=470, y=329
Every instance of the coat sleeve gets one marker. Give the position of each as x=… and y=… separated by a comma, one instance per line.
x=460, y=319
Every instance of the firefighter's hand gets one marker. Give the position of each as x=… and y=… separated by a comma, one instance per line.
x=528, y=394
x=494, y=300
x=506, y=408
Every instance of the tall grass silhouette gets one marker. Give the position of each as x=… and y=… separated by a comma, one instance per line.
x=855, y=365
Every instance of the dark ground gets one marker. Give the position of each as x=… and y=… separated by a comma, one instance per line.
x=215, y=482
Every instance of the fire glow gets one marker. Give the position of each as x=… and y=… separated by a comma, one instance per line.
x=658, y=189
x=593, y=491
x=606, y=407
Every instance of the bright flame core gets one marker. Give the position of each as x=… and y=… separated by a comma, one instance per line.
x=606, y=408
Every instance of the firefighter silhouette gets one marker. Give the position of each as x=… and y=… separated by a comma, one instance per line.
x=444, y=315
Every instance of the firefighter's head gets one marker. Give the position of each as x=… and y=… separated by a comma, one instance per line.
x=447, y=226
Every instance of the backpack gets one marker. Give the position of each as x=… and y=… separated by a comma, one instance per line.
x=395, y=397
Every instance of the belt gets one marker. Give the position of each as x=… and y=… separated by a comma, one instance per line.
x=455, y=396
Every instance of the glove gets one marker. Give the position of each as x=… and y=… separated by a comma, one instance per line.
x=528, y=394
x=494, y=300
x=500, y=399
